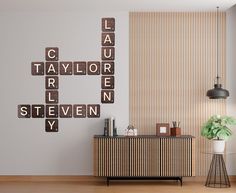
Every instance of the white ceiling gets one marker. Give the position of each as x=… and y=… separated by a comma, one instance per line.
x=114, y=5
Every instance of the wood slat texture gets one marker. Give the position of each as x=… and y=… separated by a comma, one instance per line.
x=172, y=65
x=176, y=157
x=144, y=156
x=111, y=157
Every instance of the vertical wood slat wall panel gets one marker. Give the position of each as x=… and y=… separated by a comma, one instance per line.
x=172, y=65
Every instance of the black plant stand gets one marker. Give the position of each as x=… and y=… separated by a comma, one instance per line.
x=217, y=175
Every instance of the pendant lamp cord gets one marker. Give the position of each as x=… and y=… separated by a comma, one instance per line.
x=217, y=46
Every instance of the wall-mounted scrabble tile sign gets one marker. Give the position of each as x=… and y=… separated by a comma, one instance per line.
x=52, y=68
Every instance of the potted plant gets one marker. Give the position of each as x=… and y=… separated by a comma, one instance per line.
x=217, y=128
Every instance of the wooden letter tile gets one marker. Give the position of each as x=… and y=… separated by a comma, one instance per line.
x=24, y=111
x=93, y=68
x=108, y=82
x=51, y=125
x=93, y=111
x=108, y=39
x=65, y=111
x=108, y=24
x=51, y=82
x=65, y=68
x=37, y=111
x=108, y=68
x=51, y=111
x=108, y=53
x=37, y=68
x=51, y=54
x=107, y=96
x=79, y=111
x=51, y=96
x=80, y=68
x=51, y=68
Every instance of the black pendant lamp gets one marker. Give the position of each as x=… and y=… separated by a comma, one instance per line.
x=217, y=92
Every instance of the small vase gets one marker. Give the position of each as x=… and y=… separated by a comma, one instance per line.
x=218, y=146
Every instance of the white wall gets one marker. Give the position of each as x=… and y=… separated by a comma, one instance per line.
x=231, y=84
x=25, y=147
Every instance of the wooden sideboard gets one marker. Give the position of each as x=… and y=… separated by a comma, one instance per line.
x=144, y=157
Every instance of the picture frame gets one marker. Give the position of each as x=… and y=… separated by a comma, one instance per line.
x=162, y=129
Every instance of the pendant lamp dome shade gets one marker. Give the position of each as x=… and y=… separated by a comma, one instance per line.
x=217, y=92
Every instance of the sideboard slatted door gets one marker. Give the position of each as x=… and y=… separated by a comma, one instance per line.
x=111, y=157
x=176, y=157
x=144, y=157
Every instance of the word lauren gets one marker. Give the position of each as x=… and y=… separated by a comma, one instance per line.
x=52, y=68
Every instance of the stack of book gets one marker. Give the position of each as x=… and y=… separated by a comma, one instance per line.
x=109, y=127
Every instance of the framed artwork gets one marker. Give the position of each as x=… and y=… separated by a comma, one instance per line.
x=162, y=129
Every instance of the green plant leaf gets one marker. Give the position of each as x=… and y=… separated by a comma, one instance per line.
x=218, y=127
